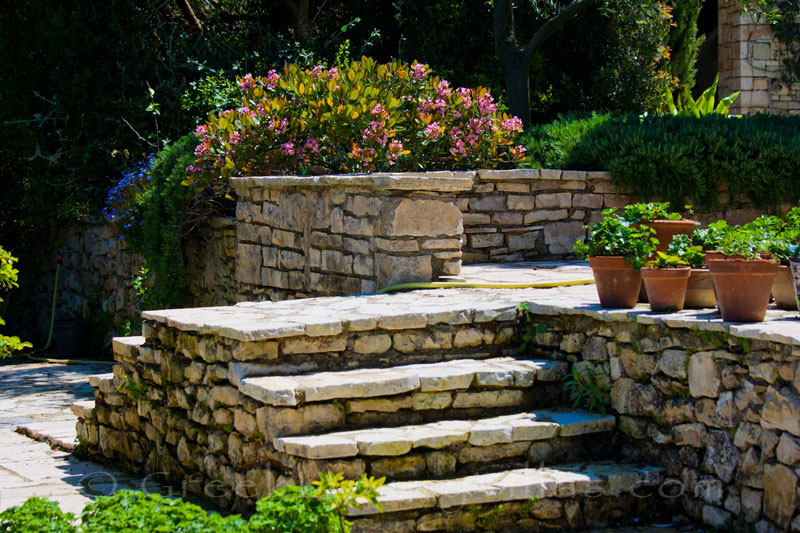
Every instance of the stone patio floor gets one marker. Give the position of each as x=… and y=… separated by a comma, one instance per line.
x=35, y=400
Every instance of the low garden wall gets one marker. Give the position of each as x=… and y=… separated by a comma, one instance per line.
x=95, y=279
x=336, y=235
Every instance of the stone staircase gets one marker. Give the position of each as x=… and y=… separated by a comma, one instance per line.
x=467, y=435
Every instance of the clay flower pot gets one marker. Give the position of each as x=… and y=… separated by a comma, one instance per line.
x=666, y=287
x=666, y=229
x=616, y=281
x=743, y=287
x=783, y=290
x=700, y=290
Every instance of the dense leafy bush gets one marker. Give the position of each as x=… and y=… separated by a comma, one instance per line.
x=153, y=211
x=362, y=117
x=680, y=158
x=318, y=509
x=37, y=515
x=8, y=280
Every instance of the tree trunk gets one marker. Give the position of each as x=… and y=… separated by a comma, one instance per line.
x=518, y=86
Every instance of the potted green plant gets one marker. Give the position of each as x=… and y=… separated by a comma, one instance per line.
x=742, y=278
x=666, y=223
x=700, y=288
x=710, y=238
x=781, y=238
x=616, y=249
x=665, y=278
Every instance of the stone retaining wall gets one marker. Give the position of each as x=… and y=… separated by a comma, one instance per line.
x=95, y=280
x=717, y=406
x=336, y=235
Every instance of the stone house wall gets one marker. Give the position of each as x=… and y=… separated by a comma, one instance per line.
x=749, y=59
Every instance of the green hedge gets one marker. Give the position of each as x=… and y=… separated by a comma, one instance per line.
x=678, y=158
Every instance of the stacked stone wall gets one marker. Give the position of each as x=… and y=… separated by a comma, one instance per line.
x=750, y=60
x=338, y=235
x=95, y=279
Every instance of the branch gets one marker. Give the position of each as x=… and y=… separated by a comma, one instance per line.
x=575, y=8
x=188, y=13
x=504, y=37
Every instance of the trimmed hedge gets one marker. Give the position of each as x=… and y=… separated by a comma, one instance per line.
x=678, y=158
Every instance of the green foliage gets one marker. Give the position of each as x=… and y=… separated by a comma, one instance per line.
x=586, y=388
x=337, y=494
x=36, y=515
x=703, y=106
x=135, y=390
x=291, y=509
x=129, y=511
x=678, y=158
x=155, y=212
x=529, y=328
x=682, y=248
x=745, y=242
x=667, y=260
x=709, y=238
x=644, y=212
x=8, y=280
x=616, y=235
x=549, y=145
x=683, y=41
x=364, y=117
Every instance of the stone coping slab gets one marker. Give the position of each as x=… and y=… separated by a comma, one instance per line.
x=565, y=481
x=252, y=321
x=531, y=426
x=425, y=378
x=443, y=181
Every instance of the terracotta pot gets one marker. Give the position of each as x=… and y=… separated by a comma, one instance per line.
x=666, y=229
x=700, y=290
x=783, y=290
x=616, y=281
x=666, y=287
x=743, y=287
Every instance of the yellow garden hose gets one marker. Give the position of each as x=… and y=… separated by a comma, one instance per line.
x=472, y=285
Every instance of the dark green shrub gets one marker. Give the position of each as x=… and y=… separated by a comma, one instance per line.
x=680, y=159
x=36, y=515
x=291, y=509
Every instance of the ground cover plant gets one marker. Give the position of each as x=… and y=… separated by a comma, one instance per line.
x=311, y=509
x=8, y=280
x=678, y=157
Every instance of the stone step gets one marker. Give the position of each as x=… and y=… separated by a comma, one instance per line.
x=396, y=441
x=430, y=381
x=532, y=484
x=127, y=347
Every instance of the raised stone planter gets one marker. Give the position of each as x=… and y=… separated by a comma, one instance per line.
x=336, y=235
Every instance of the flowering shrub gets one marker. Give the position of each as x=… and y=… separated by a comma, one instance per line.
x=365, y=118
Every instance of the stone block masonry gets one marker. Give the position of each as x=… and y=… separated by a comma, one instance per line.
x=337, y=235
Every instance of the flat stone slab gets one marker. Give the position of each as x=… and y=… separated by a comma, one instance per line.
x=457, y=374
x=253, y=321
x=396, y=441
x=564, y=481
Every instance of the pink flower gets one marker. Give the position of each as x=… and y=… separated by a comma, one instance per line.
x=375, y=133
x=466, y=96
x=418, y=71
x=333, y=73
x=312, y=144
x=235, y=137
x=459, y=149
x=486, y=104
x=316, y=71
x=443, y=89
x=247, y=83
x=518, y=152
x=440, y=106
x=288, y=148
x=433, y=130
x=272, y=79
x=201, y=150
x=512, y=124
x=200, y=130
x=379, y=110
x=278, y=126
x=425, y=107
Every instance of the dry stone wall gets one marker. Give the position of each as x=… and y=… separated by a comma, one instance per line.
x=95, y=279
x=337, y=235
x=717, y=405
